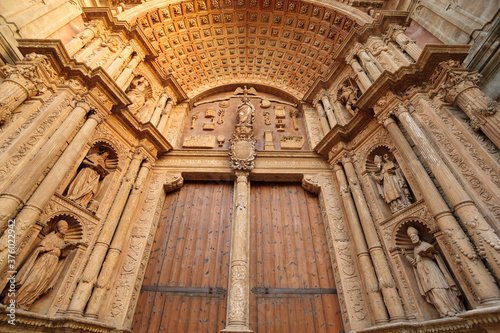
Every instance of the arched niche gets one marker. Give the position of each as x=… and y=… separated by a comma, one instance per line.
x=91, y=179
x=388, y=180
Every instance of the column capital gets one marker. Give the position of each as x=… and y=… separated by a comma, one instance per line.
x=242, y=176
x=338, y=167
x=399, y=109
x=97, y=116
x=138, y=155
x=386, y=120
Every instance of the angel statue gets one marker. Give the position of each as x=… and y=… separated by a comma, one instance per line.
x=40, y=272
x=434, y=281
x=391, y=183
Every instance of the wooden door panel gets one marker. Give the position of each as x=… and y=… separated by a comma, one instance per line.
x=185, y=280
x=289, y=253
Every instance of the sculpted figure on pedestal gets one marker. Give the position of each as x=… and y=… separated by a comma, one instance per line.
x=137, y=94
x=86, y=184
x=246, y=112
x=348, y=97
x=393, y=187
x=434, y=282
x=39, y=273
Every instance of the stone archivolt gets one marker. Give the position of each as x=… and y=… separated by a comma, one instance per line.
x=390, y=137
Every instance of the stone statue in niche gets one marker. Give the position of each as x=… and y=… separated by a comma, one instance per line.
x=434, y=281
x=391, y=183
x=246, y=112
x=86, y=184
x=40, y=272
x=137, y=94
x=348, y=97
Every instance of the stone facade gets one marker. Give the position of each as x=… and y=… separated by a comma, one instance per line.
x=109, y=107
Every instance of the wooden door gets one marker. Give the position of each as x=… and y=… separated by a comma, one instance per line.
x=291, y=276
x=187, y=274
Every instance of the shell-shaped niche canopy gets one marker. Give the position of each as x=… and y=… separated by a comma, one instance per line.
x=403, y=241
x=75, y=231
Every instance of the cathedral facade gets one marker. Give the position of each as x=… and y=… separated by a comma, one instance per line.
x=249, y=166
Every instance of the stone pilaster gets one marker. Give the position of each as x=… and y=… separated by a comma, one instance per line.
x=387, y=285
x=366, y=266
x=115, y=249
x=84, y=289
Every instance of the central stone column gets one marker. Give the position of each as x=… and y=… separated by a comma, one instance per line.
x=242, y=154
x=239, y=289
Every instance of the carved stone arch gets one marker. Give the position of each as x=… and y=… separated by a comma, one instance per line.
x=76, y=229
x=401, y=240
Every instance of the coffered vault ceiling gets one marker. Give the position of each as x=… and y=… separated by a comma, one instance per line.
x=280, y=43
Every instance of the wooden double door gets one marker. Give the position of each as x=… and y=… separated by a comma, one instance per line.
x=291, y=277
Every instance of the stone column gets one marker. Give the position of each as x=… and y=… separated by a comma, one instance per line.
x=460, y=88
x=16, y=192
x=467, y=267
x=339, y=114
x=481, y=232
x=16, y=88
x=365, y=263
x=164, y=116
x=125, y=75
x=30, y=213
x=119, y=238
x=406, y=43
x=324, y=122
x=387, y=285
x=92, y=30
x=160, y=106
x=113, y=69
x=369, y=64
x=89, y=276
x=329, y=110
x=364, y=80
x=239, y=289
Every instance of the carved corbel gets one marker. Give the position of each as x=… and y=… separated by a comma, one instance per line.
x=310, y=182
x=173, y=181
